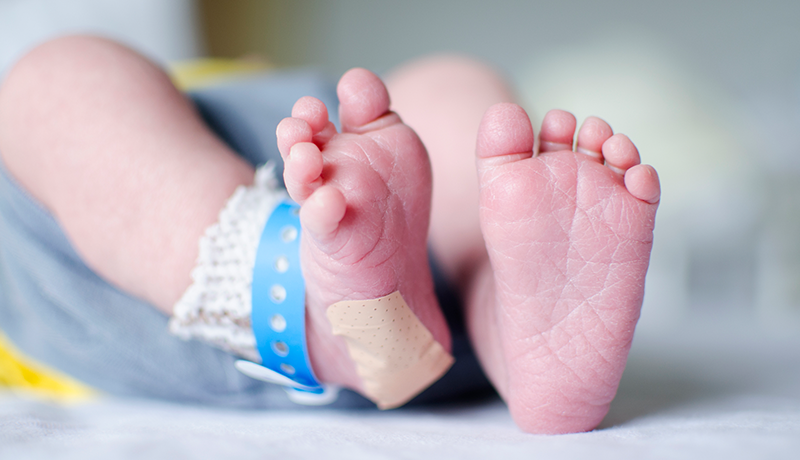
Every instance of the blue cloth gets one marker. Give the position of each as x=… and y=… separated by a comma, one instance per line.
x=59, y=312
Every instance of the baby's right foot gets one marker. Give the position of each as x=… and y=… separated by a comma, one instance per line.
x=365, y=203
x=568, y=233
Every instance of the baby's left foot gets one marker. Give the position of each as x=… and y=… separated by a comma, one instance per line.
x=365, y=203
x=568, y=233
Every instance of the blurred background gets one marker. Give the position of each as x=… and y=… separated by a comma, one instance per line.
x=709, y=91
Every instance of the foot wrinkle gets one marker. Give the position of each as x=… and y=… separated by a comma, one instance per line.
x=589, y=153
x=385, y=259
x=357, y=155
x=576, y=354
x=598, y=323
x=549, y=146
x=376, y=161
x=565, y=364
x=385, y=121
x=567, y=221
x=583, y=299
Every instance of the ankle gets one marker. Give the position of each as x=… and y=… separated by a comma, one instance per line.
x=328, y=354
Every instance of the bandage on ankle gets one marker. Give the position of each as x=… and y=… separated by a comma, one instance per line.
x=395, y=354
x=248, y=297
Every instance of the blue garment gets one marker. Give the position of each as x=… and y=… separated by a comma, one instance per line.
x=58, y=311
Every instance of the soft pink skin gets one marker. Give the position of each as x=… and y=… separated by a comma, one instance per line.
x=365, y=195
x=569, y=242
x=101, y=137
x=549, y=251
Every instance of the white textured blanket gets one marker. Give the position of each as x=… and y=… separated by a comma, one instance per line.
x=726, y=396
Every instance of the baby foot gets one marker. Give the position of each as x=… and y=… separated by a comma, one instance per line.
x=365, y=203
x=569, y=236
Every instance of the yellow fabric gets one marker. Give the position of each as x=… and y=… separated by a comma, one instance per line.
x=22, y=374
x=200, y=73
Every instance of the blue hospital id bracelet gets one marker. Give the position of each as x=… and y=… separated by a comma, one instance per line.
x=278, y=311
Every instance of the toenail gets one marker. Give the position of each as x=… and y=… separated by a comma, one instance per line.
x=277, y=293
x=277, y=323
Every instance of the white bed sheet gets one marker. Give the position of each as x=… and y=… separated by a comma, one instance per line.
x=700, y=395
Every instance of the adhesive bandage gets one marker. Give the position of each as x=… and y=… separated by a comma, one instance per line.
x=395, y=354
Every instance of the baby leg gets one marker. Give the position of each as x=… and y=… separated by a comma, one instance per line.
x=443, y=99
x=103, y=139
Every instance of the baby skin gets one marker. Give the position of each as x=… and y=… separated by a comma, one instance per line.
x=365, y=196
x=547, y=242
x=568, y=232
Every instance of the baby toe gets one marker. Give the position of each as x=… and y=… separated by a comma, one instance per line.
x=322, y=213
x=642, y=182
x=591, y=137
x=505, y=134
x=313, y=111
x=302, y=171
x=558, y=131
x=292, y=131
x=620, y=153
x=363, y=99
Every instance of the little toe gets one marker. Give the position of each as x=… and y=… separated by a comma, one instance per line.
x=593, y=133
x=302, y=171
x=363, y=100
x=292, y=131
x=558, y=131
x=642, y=182
x=322, y=213
x=620, y=153
x=505, y=134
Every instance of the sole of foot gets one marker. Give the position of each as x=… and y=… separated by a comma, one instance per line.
x=365, y=197
x=568, y=230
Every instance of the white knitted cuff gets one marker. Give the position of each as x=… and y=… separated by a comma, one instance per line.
x=216, y=307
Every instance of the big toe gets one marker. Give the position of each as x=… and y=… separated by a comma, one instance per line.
x=363, y=98
x=505, y=134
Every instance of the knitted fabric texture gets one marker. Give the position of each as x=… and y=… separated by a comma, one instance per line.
x=216, y=307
